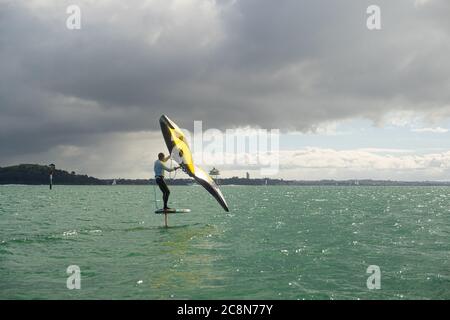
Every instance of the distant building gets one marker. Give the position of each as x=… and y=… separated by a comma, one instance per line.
x=247, y=175
x=214, y=173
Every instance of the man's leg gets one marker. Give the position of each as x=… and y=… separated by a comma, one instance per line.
x=160, y=183
x=165, y=190
x=165, y=199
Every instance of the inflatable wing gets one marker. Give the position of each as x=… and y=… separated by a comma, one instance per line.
x=180, y=152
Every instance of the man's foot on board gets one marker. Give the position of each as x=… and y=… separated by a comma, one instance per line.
x=167, y=209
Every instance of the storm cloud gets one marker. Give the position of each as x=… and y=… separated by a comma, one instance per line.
x=273, y=64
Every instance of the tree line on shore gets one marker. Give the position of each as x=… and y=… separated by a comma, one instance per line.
x=34, y=174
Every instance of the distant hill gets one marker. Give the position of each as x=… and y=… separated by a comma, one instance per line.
x=35, y=174
x=38, y=174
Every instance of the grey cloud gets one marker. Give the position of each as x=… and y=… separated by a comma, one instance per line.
x=291, y=64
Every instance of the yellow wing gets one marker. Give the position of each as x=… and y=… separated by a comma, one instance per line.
x=181, y=153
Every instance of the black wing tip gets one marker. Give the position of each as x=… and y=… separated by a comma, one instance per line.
x=163, y=118
x=224, y=206
x=164, y=121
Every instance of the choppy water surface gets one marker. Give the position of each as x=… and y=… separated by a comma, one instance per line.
x=275, y=243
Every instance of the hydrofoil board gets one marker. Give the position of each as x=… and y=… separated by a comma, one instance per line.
x=162, y=211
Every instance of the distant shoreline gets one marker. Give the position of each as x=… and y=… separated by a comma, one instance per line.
x=411, y=184
x=33, y=174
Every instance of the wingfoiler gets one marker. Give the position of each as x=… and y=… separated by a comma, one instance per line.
x=181, y=153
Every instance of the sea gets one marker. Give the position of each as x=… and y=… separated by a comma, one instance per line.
x=276, y=242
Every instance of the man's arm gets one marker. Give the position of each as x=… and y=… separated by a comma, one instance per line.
x=169, y=169
x=166, y=158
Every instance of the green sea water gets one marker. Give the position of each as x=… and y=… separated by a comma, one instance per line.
x=275, y=243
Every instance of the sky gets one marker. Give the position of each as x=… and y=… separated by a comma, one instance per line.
x=349, y=102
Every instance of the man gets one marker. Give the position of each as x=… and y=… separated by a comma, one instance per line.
x=159, y=168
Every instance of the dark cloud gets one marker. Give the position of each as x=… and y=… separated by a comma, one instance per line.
x=275, y=64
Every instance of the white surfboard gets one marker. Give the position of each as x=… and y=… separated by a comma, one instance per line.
x=171, y=211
